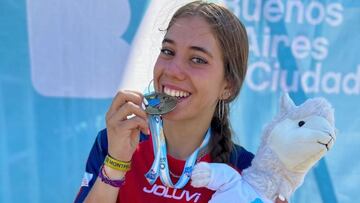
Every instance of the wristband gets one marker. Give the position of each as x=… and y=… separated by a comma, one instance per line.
x=116, y=164
x=104, y=178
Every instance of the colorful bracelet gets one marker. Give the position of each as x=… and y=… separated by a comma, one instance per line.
x=116, y=164
x=104, y=178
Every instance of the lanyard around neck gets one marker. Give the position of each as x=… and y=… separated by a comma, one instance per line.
x=160, y=165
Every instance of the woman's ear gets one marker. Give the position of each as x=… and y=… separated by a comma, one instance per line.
x=226, y=95
x=227, y=92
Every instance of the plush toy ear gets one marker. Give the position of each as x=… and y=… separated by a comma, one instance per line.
x=286, y=102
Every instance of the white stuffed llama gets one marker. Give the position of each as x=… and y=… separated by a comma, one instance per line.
x=291, y=144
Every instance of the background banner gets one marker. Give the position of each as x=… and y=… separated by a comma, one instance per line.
x=62, y=61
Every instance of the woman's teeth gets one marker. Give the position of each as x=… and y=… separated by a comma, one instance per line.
x=175, y=93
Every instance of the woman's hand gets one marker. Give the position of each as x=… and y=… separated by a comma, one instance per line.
x=124, y=121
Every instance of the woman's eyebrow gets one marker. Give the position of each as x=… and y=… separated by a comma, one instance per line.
x=196, y=48
x=201, y=49
x=167, y=40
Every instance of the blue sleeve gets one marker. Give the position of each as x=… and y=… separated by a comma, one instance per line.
x=96, y=158
x=240, y=157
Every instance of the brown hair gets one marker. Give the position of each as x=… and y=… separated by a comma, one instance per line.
x=232, y=38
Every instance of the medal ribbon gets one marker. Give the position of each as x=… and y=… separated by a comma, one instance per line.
x=160, y=165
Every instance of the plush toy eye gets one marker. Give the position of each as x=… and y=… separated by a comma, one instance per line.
x=301, y=123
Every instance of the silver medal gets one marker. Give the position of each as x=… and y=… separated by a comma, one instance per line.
x=159, y=103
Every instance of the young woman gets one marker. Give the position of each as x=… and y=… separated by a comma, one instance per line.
x=203, y=61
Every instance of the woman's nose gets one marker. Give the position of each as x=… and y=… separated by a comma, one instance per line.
x=175, y=69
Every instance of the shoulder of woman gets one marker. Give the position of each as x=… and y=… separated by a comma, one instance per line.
x=240, y=158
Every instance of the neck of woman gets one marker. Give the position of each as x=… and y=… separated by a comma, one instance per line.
x=183, y=138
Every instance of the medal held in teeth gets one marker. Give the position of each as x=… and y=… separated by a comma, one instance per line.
x=159, y=103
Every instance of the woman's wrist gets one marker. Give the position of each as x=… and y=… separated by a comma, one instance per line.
x=113, y=173
x=107, y=179
x=123, y=156
x=117, y=164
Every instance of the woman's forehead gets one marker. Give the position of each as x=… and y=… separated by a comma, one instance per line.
x=192, y=31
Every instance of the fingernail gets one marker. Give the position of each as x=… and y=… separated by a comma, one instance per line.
x=146, y=101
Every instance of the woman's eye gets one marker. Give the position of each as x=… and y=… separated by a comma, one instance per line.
x=166, y=51
x=198, y=60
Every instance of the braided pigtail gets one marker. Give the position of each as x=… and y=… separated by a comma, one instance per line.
x=221, y=143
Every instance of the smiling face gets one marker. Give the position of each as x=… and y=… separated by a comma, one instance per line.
x=190, y=67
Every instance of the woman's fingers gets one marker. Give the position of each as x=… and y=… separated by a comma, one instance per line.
x=123, y=97
x=126, y=111
x=136, y=123
x=123, y=136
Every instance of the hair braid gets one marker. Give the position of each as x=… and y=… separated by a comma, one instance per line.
x=221, y=143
